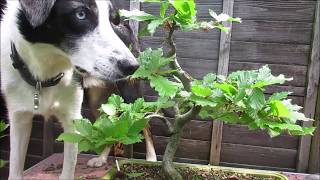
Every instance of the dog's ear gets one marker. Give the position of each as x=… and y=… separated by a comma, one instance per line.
x=37, y=11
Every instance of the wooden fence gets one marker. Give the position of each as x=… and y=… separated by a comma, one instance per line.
x=281, y=33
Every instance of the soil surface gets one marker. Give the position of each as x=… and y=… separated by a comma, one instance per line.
x=142, y=172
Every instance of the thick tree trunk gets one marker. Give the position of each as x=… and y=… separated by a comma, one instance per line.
x=167, y=163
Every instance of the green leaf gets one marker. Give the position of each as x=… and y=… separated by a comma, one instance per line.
x=243, y=79
x=163, y=8
x=294, y=114
x=150, y=1
x=137, y=15
x=241, y=94
x=186, y=11
x=279, y=109
x=153, y=25
x=3, y=163
x=151, y=61
x=163, y=86
x=274, y=132
x=201, y=101
x=137, y=106
x=201, y=90
x=219, y=18
x=238, y=20
x=209, y=79
x=229, y=117
x=115, y=100
x=122, y=125
x=84, y=146
x=163, y=103
x=70, y=137
x=83, y=126
x=141, y=72
x=137, y=126
x=278, y=96
x=265, y=78
x=256, y=99
x=308, y=130
x=3, y=126
x=109, y=109
x=104, y=126
x=226, y=88
x=131, y=139
x=293, y=129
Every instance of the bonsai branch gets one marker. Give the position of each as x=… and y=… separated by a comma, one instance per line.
x=184, y=77
x=164, y=120
x=181, y=120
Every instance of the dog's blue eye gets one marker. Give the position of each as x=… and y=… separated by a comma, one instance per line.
x=81, y=15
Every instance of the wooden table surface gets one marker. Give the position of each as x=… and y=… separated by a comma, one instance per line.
x=50, y=168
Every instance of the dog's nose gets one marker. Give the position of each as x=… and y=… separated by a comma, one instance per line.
x=127, y=68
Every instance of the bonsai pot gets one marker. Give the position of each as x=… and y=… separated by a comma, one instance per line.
x=141, y=169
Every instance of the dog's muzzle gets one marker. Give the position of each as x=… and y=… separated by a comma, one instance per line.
x=127, y=68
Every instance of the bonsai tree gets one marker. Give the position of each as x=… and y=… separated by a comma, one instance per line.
x=238, y=98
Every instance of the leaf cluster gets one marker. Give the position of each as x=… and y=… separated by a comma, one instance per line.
x=119, y=123
x=183, y=16
x=240, y=98
x=154, y=67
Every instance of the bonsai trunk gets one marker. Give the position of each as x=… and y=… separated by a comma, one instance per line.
x=167, y=163
x=180, y=121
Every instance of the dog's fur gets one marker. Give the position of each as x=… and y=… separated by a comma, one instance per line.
x=54, y=36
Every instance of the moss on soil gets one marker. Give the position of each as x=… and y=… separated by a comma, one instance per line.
x=145, y=172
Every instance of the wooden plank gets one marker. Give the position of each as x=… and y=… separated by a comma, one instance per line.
x=223, y=68
x=298, y=73
x=34, y=148
x=273, y=32
x=239, y=134
x=187, y=47
x=199, y=67
x=30, y=159
x=314, y=164
x=37, y=129
x=196, y=34
x=311, y=96
x=192, y=149
x=296, y=91
x=270, y=53
x=257, y=155
x=134, y=4
x=123, y=4
x=176, y=159
x=279, y=10
x=194, y=130
x=48, y=139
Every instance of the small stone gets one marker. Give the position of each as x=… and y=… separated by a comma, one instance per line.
x=233, y=178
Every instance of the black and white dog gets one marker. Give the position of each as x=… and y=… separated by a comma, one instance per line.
x=42, y=43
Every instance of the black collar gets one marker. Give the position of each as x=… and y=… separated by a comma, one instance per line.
x=19, y=65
